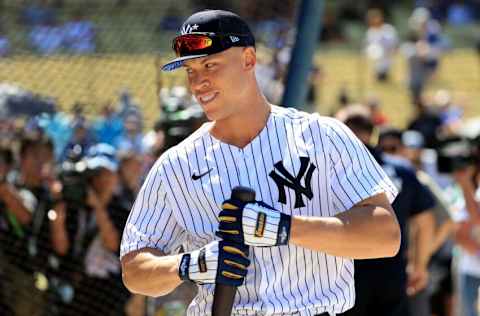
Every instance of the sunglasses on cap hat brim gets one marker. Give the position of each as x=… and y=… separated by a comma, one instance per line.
x=196, y=45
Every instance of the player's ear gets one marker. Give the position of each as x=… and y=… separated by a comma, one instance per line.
x=249, y=58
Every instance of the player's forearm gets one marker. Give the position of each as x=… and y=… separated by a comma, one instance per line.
x=148, y=272
x=360, y=233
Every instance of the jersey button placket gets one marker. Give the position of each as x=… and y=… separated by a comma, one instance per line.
x=242, y=163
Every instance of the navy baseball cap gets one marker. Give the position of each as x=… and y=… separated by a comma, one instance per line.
x=209, y=32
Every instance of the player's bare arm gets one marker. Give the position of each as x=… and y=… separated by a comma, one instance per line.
x=367, y=230
x=149, y=272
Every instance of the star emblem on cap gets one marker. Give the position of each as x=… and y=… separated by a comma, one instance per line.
x=194, y=27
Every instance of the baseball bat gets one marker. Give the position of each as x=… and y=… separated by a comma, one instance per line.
x=224, y=295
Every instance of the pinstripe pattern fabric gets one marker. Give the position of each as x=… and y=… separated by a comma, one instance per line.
x=172, y=209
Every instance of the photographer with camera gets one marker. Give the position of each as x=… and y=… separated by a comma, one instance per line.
x=26, y=234
x=458, y=160
x=94, y=221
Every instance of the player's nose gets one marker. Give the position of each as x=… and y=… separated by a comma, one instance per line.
x=199, y=83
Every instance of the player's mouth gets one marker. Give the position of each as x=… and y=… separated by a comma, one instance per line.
x=206, y=98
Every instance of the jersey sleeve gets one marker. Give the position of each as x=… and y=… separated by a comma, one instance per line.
x=151, y=223
x=354, y=173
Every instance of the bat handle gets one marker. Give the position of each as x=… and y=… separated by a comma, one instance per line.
x=225, y=294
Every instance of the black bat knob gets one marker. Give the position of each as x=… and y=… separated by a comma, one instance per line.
x=243, y=194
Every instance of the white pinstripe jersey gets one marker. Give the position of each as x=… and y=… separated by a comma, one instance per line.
x=172, y=209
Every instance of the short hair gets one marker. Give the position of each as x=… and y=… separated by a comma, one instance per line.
x=28, y=142
x=359, y=123
x=392, y=132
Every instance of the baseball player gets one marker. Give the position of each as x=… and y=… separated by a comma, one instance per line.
x=322, y=198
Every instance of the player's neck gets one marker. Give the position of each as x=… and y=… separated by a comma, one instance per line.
x=240, y=129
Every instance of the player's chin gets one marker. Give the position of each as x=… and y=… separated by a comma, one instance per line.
x=213, y=116
x=212, y=111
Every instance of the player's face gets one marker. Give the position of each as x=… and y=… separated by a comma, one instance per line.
x=218, y=81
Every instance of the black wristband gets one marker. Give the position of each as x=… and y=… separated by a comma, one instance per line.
x=183, y=267
x=284, y=229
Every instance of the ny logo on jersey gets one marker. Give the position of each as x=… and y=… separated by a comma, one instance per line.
x=294, y=183
x=187, y=29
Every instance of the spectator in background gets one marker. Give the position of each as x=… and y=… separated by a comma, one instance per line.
x=270, y=77
x=450, y=114
x=37, y=12
x=80, y=138
x=132, y=139
x=440, y=285
x=127, y=104
x=315, y=80
x=331, y=30
x=406, y=148
x=4, y=42
x=102, y=240
x=468, y=240
x=343, y=100
x=381, y=41
x=28, y=236
x=79, y=34
x=460, y=13
x=47, y=38
x=130, y=173
x=378, y=117
x=7, y=132
x=423, y=50
x=390, y=144
x=382, y=285
x=109, y=127
x=427, y=122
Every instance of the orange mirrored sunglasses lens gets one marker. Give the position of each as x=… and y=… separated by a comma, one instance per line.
x=187, y=44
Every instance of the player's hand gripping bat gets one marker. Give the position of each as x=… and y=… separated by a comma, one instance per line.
x=225, y=294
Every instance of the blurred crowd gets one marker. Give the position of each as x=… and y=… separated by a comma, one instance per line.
x=68, y=179
x=67, y=184
x=423, y=47
x=435, y=163
x=47, y=35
